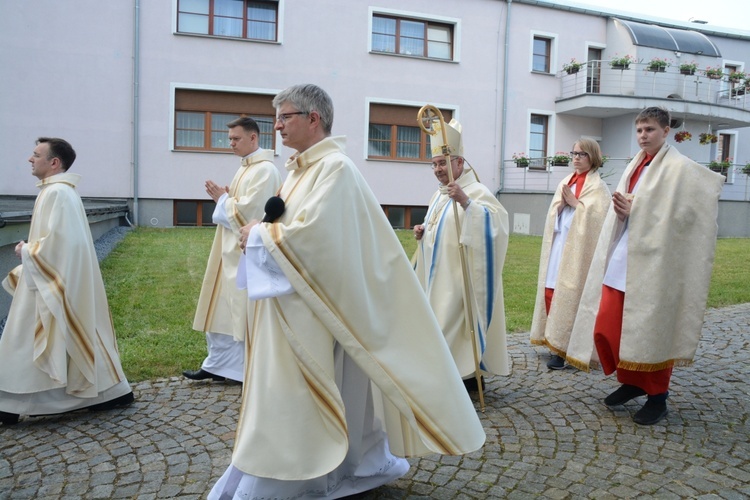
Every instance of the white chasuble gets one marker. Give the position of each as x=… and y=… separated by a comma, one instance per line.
x=672, y=231
x=574, y=260
x=484, y=236
x=222, y=307
x=59, y=334
x=353, y=288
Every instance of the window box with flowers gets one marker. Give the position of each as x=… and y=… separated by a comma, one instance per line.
x=706, y=138
x=688, y=68
x=736, y=76
x=621, y=62
x=657, y=65
x=683, y=135
x=713, y=73
x=559, y=160
x=721, y=167
x=521, y=160
x=572, y=67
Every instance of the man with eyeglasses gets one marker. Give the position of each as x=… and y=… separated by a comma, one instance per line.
x=482, y=234
x=58, y=352
x=344, y=353
x=223, y=312
x=642, y=307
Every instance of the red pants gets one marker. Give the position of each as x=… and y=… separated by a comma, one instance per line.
x=607, y=334
x=548, y=293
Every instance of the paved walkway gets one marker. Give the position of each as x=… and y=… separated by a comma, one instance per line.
x=548, y=435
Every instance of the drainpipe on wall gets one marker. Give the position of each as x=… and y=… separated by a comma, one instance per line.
x=136, y=116
x=504, y=120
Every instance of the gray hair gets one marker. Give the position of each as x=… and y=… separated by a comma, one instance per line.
x=308, y=98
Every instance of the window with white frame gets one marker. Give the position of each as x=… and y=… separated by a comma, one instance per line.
x=538, y=135
x=393, y=133
x=249, y=19
x=201, y=118
x=395, y=34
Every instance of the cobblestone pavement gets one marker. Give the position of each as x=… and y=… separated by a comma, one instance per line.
x=548, y=435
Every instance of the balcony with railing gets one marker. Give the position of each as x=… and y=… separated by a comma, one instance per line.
x=599, y=89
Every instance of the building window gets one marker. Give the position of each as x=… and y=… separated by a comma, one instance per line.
x=201, y=118
x=402, y=217
x=538, y=133
x=253, y=20
x=394, y=134
x=542, y=49
x=193, y=213
x=412, y=37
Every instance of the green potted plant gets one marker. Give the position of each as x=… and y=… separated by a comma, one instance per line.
x=621, y=62
x=720, y=166
x=713, y=73
x=688, y=68
x=560, y=159
x=746, y=169
x=736, y=76
x=521, y=159
x=657, y=65
x=572, y=67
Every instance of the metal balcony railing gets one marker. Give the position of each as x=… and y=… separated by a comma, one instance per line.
x=599, y=77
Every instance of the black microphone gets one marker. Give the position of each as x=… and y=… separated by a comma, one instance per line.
x=274, y=208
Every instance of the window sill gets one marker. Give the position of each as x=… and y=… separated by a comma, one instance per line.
x=230, y=38
x=434, y=59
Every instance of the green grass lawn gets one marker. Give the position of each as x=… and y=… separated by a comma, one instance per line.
x=154, y=276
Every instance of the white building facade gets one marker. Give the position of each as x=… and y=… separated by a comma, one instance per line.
x=143, y=90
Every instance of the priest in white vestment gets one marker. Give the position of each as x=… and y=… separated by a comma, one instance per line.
x=344, y=355
x=58, y=351
x=642, y=307
x=574, y=221
x=223, y=311
x=482, y=234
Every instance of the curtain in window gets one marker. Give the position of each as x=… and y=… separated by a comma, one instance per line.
x=408, y=142
x=379, y=143
x=189, y=131
x=412, y=38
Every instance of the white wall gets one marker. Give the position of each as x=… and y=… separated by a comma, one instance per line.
x=65, y=75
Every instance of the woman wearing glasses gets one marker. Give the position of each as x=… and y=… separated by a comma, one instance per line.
x=571, y=231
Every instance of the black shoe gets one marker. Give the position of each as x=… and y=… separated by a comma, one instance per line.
x=624, y=394
x=121, y=402
x=654, y=410
x=472, y=385
x=8, y=418
x=202, y=375
x=556, y=362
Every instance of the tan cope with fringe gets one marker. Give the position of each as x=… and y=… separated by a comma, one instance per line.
x=554, y=330
x=353, y=285
x=59, y=330
x=222, y=307
x=671, y=243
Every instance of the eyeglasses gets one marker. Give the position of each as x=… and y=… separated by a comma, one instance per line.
x=441, y=163
x=577, y=154
x=283, y=117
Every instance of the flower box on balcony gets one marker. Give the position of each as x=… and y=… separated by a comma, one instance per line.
x=657, y=65
x=621, y=63
x=688, y=69
x=572, y=67
x=714, y=73
x=559, y=160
